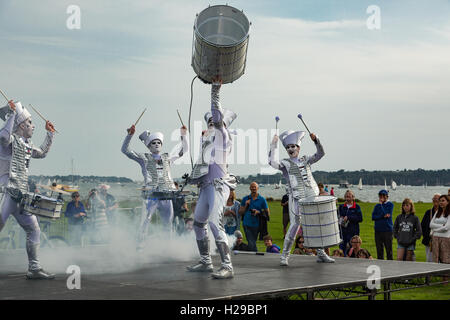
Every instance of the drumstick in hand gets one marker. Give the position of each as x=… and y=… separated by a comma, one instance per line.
x=40, y=115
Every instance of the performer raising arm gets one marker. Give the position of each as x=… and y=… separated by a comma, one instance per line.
x=301, y=184
x=157, y=177
x=16, y=150
x=211, y=174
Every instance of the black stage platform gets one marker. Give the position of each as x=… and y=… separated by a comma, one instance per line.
x=256, y=277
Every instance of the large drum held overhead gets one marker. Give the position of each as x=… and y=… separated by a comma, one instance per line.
x=220, y=42
x=320, y=222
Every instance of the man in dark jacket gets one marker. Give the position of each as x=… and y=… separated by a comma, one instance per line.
x=425, y=224
x=239, y=245
x=350, y=216
x=382, y=215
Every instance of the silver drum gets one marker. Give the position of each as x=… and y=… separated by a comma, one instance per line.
x=220, y=42
x=42, y=206
x=320, y=221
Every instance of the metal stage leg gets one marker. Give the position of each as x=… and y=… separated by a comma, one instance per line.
x=387, y=290
x=373, y=294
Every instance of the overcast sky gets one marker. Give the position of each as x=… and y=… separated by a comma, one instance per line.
x=378, y=99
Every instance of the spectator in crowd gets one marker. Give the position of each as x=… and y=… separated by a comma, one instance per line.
x=326, y=189
x=425, y=225
x=179, y=209
x=299, y=247
x=285, y=206
x=350, y=216
x=382, y=215
x=440, y=228
x=97, y=211
x=338, y=253
x=332, y=191
x=239, y=244
x=448, y=192
x=75, y=213
x=363, y=254
x=188, y=224
x=407, y=230
x=322, y=191
x=110, y=201
x=270, y=246
x=356, y=246
x=231, y=216
x=252, y=206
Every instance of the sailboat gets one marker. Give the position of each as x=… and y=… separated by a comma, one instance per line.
x=278, y=186
x=360, y=184
x=385, y=185
x=393, y=185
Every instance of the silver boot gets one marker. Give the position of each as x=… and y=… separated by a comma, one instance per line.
x=205, y=263
x=288, y=242
x=323, y=257
x=35, y=270
x=226, y=270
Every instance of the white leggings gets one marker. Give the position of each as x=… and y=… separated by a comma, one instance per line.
x=209, y=209
x=149, y=207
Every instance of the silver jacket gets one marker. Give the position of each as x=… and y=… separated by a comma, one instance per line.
x=297, y=172
x=15, y=155
x=216, y=147
x=156, y=173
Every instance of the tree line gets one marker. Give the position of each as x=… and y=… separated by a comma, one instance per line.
x=418, y=177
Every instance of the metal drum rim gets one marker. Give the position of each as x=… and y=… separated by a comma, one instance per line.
x=326, y=199
x=197, y=33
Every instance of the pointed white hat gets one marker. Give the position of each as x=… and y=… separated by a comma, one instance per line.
x=146, y=137
x=22, y=113
x=228, y=117
x=292, y=137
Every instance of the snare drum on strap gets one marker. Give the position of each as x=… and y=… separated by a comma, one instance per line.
x=320, y=221
x=42, y=206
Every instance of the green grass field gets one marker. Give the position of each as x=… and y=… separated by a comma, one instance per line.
x=275, y=228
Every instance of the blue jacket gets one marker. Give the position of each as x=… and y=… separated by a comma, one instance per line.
x=273, y=249
x=354, y=216
x=383, y=224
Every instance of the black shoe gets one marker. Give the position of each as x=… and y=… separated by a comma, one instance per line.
x=40, y=274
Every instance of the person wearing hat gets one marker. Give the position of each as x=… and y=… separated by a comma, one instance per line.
x=16, y=151
x=300, y=181
x=155, y=167
x=382, y=215
x=210, y=174
x=239, y=245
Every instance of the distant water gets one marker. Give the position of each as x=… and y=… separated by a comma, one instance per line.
x=129, y=191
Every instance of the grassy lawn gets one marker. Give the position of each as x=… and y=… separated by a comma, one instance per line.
x=275, y=228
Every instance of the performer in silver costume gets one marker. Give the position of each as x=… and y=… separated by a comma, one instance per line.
x=155, y=168
x=211, y=175
x=301, y=184
x=16, y=151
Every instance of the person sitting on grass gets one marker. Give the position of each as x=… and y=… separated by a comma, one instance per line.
x=270, y=247
x=299, y=248
x=239, y=244
x=363, y=254
x=338, y=253
x=356, y=246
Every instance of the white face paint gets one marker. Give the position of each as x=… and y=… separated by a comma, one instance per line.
x=27, y=127
x=155, y=146
x=293, y=150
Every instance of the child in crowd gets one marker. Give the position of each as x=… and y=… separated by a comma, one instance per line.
x=270, y=247
x=407, y=230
